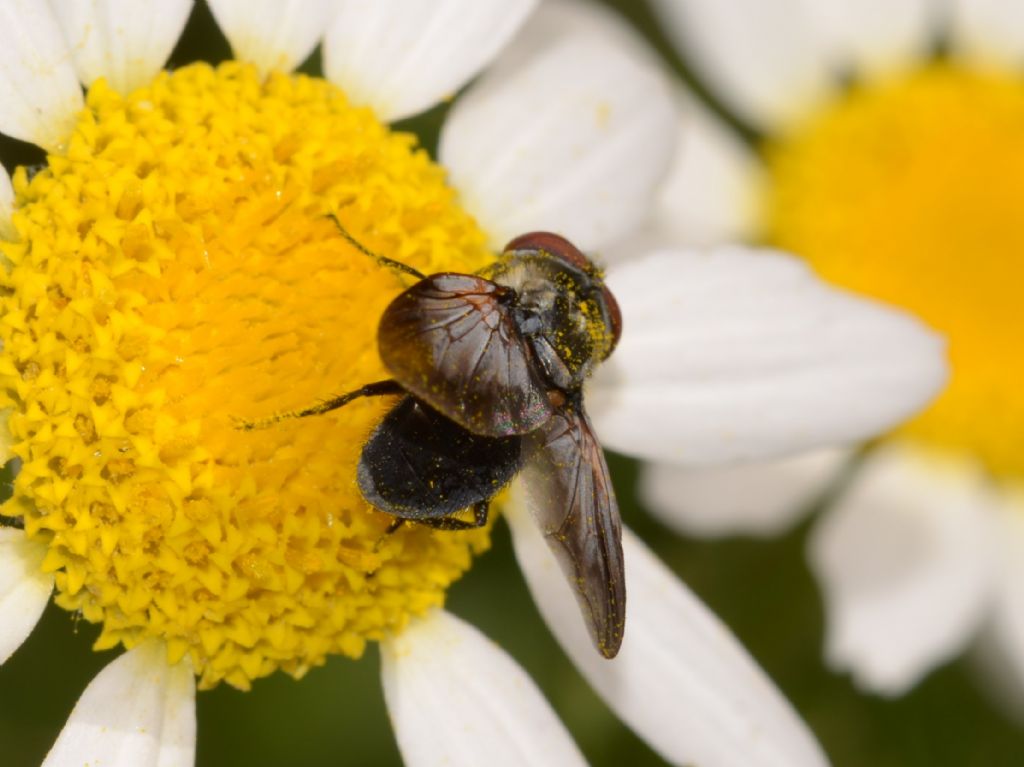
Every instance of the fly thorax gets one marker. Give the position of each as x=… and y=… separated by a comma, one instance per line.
x=555, y=311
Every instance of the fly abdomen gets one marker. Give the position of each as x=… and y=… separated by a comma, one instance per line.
x=420, y=465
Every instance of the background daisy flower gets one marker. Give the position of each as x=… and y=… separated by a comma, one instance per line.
x=893, y=170
x=173, y=269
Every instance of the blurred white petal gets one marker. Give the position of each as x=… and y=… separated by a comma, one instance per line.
x=906, y=559
x=24, y=589
x=401, y=57
x=762, y=498
x=999, y=678
x=125, y=41
x=275, y=35
x=39, y=89
x=739, y=354
x=457, y=699
x=1004, y=636
x=712, y=191
x=874, y=37
x=558, y=18
x=139, y=711
x=989, y=31
x=570, y=131
x=7, y=231
x=763, y=58
x=681, y=680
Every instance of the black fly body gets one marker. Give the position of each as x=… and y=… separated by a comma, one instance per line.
x=490, y=370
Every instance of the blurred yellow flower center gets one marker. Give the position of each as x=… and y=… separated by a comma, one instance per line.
x=173, y=272
x=912, y=191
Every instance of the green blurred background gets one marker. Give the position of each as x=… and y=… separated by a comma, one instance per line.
x=336, y=715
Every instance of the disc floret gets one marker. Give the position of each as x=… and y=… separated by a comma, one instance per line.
x=176, y=271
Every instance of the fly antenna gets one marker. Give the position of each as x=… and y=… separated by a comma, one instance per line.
x=390, y=263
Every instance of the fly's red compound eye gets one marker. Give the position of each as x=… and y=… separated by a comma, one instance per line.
x=614, y=318
x=554, y=244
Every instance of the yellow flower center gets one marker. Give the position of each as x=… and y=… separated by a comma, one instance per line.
x=912, y=191
x=175, y=271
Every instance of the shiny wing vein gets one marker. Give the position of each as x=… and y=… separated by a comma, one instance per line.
x=452, y=344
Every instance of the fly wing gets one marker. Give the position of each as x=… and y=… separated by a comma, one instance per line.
x=451, y=341
x=571, y=496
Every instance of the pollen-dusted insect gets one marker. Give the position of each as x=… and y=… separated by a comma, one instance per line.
x=491, y=367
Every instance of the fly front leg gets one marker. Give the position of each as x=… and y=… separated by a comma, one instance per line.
x=16, y=522
x=375, y=389
x=480, y=512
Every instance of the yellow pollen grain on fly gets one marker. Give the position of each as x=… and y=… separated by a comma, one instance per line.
x=911, y=191
x=173, y=273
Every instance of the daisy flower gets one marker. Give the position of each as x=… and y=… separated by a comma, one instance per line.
x=173, y=269
x=894, y=171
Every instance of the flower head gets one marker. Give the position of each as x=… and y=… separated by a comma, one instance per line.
x=901, y=180
x=174, y=271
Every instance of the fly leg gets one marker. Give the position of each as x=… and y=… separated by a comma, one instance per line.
x=375, y=389
x=384, y=261
x=394, y=526
x=16, y=522
x=480, y=510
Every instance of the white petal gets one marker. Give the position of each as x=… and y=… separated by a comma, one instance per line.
x=456, y=699
x=713, y=187
x=401, y=57
x=906, y=559
x=125, y=41
x=570, y=131
x=275, y=35
x=742, y=354
x=557, y=18
x=761, y=57
x=39, y=90
x=24, y=589
x=763, y=498
x=681, y=680
x=873, y=37
x=139, y=711
x=6, y=205
x=991, y=31
x=1005, y=634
